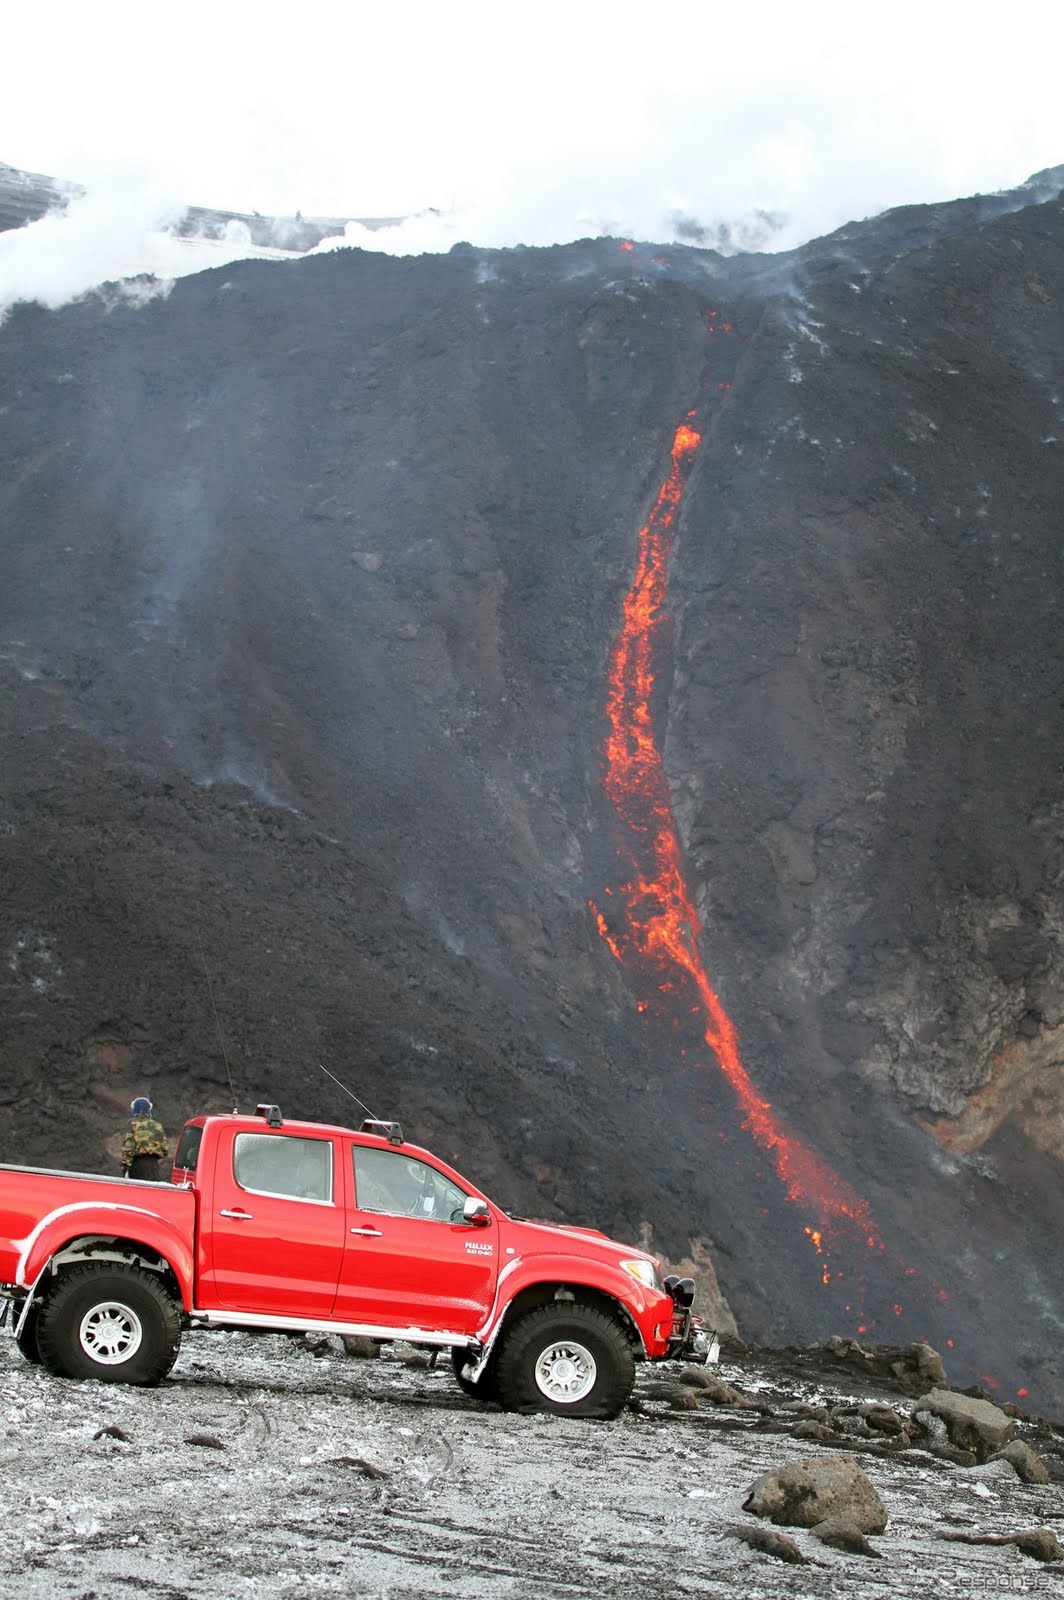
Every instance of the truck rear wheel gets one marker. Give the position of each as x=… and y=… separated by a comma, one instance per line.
x=570, y=1359
x=116, y=1324
x=26, y=1338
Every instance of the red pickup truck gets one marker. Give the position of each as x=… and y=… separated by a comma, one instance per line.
x=269, y=1223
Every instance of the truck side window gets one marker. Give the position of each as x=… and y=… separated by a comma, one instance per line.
x=401, y=1186
x=280, y=1163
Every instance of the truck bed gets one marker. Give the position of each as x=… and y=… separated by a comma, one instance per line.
x=32, y=1198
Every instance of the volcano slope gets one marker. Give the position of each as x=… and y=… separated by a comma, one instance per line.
x=313, y=577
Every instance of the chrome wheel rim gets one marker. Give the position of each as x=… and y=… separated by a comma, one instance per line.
x=110, y=1333
x=566, y=1372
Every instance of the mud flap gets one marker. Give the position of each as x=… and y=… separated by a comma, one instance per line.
x=25, y=1308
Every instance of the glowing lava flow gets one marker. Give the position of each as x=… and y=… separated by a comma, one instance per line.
x=657, y=935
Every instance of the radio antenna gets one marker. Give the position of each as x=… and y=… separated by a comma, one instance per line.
x=217, y=1021
x=347, y=1091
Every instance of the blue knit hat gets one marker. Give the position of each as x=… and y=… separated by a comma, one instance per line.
x=140, y=1107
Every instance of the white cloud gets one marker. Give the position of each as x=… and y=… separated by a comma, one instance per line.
x=117, y=230
x=531, y=125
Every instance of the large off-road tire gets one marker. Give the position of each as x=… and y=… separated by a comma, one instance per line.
x=26, y=1338
x=570, y=1359
x=117, y=1324
x=484, y=1388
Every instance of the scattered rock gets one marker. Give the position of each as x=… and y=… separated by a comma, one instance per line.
x=972, y=1424
x=207, y=1440
x=726, y=1394
x=321, y=1344
x=362, y=1349
x=802, y=1408
x=852, y=1423
x=732, y=1346
x=1011, y=1409
x=843, y=1535
x=934, y=1427
x=920, y=1364
x=938, y=1440
x=768, y=1542
x=801, y=1494
x=696, y=1377
x=997, y=1471
x=883, y=1419
x=661, y=1391
x=1027, y=1463
x=809, y=1428
x=1040, y=1543
x=913, y=1366
x=367, y=1469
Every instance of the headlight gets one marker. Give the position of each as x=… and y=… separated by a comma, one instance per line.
x=645, y=1271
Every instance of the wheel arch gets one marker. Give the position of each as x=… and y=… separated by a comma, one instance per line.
x=97, y=1233
x=547, y=1292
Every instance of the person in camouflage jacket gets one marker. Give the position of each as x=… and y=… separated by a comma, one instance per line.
x=144, y=1145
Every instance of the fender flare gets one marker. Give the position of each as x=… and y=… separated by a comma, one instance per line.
x=527, y=1272
x=138, y=1224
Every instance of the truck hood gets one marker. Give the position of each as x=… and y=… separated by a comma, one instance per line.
x=552, y=1236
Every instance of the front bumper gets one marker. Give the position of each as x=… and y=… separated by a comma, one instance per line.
x=691, y=1340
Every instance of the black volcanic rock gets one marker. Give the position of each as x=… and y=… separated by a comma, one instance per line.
x=27, y=196
x=311, y=576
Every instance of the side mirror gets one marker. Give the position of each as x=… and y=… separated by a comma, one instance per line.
x=477, y=1213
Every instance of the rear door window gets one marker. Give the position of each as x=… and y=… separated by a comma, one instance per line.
x=282, y=1164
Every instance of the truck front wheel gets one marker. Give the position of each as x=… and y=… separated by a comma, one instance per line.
x=571, y=1359
x=116, y=1324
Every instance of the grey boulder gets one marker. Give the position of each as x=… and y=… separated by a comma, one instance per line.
x=972, y=1424
x=1027, y=1463
x=802, y=1494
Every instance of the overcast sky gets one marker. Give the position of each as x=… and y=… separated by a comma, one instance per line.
x=535, y=123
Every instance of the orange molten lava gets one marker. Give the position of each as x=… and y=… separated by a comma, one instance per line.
x=656, y=935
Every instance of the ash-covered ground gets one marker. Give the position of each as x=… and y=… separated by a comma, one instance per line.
x=280, y=1468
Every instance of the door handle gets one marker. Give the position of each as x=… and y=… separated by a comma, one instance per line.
x=367, y=1233
x=238, y=1216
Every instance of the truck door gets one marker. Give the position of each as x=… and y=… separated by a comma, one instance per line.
x=410, y=1260
x=276, y=1231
